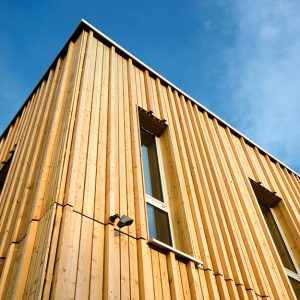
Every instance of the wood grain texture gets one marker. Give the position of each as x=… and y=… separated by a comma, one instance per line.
x=76, y=160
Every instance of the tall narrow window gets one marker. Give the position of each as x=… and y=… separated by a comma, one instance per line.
x=268, y=202
x=157, y=208
x=156, y=195
x=4, y=168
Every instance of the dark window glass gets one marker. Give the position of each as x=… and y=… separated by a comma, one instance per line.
x=278, y=240
x=151, y=168
x=296, y=286
x=4, y=172
x=158, y=222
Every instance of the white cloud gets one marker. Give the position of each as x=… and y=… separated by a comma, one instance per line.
x=264, y=65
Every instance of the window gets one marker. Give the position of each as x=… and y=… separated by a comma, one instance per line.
x=168, y=226
x=155, y=188
x=268, y=203
x=157, y=206
x=4, y=168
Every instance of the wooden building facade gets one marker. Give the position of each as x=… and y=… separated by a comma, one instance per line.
x=215, y=216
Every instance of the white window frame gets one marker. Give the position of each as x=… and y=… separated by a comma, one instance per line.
x=164, y=206
x=288, y=272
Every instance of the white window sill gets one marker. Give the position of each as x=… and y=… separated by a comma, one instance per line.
x=181, y=255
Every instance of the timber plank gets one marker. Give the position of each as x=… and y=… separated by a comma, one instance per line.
x=174, y=277
x=11, y=212
x=232, y=291
x=164, y=276
x=37, y=253
x=112, y=174
x=72, y=95
x=251, y=218
x=128, y=153
x=91, y=163
x=184, y=280
x=7, y=269
x=134, y=272
x=97, y=265
x=41, y=275
x=125, y=266
x=213, y=289
x=207, y=149
x=246, y=149
x=222, y=288
x=52, y=254
x=161, y=99
x=190, y=243
x=148, y=92
x=121, y=205
x=74, y=190
x=111, y=274
x=139, y=196
x=209, y=189
x=156, y=110
x=64, y=281
x=193, y=281
x=157, y=284
x=203, y=284
x=99, y=213
x=84, y=260
x=83, y=130
x=144, y=265
x=289, y=179
x=52, y=130
x=237, y=228
x=20, y=281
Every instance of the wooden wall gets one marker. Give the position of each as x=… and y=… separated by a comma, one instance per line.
x=77, y=161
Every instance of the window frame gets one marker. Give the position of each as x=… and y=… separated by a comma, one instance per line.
x=5, y=168
x=288, y=272
x=157, y=204
x=162, y=205
x=178, y=235
x=270, y=200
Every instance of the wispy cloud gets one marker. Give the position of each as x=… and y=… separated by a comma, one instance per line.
x=264, y=76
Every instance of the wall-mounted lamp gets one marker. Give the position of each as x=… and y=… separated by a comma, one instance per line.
x=123, y=221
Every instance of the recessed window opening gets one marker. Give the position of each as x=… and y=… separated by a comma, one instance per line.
x=151, y=168
x=4, y=168
x=268, y=203
x=157, y=207
x=278, y=238
x=155, y=188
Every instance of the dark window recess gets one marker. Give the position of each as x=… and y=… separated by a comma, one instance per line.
x=151, y=167
x=277, y=238
x=263, y=195
x=150, y=123
x=296, y=286
x=156, y=196
x=268, y=201
x=4, y=171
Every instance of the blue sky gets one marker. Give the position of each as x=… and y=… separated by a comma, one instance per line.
x=240, y=59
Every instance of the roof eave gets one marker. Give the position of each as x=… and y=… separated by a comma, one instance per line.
x=84, y=25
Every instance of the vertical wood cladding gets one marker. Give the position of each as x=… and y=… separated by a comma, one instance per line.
x=77, y=161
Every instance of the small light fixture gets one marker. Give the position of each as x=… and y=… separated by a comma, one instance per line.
x=123, y=221
x=113, y=218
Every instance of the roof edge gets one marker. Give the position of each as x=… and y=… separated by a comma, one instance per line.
x=73, y=36
x=252, y=143
x=83, y=24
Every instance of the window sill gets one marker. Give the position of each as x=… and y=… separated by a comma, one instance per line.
x=179, y=254
x=292, y=274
